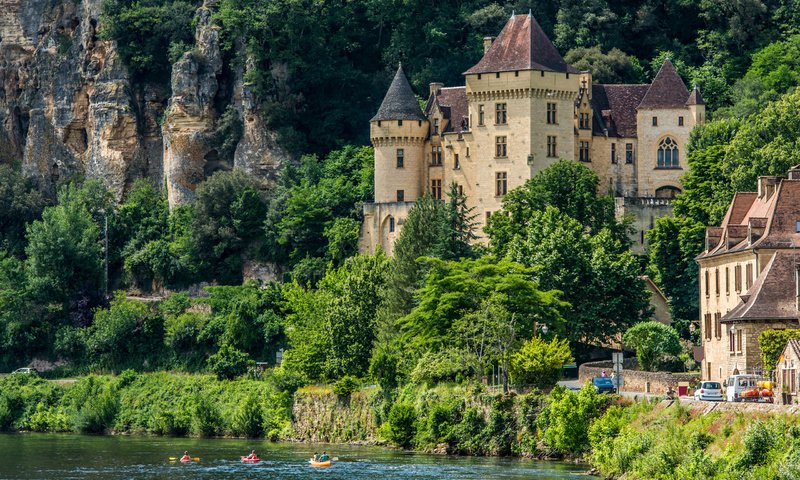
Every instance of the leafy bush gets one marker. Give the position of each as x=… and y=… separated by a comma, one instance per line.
x=759, y=439
x=345, y=386
x=445, y=366
x=228, y=363
x=206, y=420
x=249, y=418
x=539, y=363
x=400, y=427
x=97, y=414
x=469, y=432
x=652, y=340
x=566, y=419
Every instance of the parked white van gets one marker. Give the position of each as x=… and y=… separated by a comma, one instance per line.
x=748, y=388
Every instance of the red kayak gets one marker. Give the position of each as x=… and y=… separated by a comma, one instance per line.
x=250, y=460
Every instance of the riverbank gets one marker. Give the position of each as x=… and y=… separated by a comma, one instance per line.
x=621, y=439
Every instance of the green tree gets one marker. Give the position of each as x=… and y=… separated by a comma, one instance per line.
x=539, y=362
x=772, y=343
x=65, y=259
x=143, y=28
x=567, y=416
x=20, y=203
x=331, y=330
x=652, y=341
x=229, y=362
x=584, y=23
x=229, y=211
x=598, y=276
x=612, y=67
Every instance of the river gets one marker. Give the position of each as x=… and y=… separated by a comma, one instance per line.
x=66, y=457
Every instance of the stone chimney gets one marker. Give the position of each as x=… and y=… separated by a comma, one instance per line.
x=487, y=43
x=435, y=87
x=767, y=186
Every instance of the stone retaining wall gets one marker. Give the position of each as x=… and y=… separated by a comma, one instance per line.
x=636, y=380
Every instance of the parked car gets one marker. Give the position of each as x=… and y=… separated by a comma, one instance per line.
x=709, y=391
x=24, y=370
x=604, y=385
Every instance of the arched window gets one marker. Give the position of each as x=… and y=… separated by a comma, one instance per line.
x=668, y=154
x=667, y=192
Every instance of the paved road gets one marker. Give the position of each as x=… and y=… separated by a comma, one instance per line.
x=576, y=385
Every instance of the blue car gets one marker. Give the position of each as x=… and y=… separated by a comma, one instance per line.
x=604, y=385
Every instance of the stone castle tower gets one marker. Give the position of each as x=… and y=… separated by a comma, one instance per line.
x=523, y=108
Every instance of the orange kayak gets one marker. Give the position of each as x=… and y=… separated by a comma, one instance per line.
x=326, y=463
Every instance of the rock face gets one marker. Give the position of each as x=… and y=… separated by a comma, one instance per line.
x=68, y=107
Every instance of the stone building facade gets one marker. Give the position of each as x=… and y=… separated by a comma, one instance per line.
x=749, y=279
x=786, y=376
x=521, y=109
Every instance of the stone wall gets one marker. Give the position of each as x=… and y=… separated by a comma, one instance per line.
x=636, y=380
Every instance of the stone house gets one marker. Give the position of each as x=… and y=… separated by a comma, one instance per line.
x=786, y=377
x=521, y=109
x=749, y=275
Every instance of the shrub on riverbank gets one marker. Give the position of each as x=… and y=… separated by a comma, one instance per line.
x=157, y=403
x=641, y=442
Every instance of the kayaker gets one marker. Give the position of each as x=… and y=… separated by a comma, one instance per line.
x=252, y=455
x=185, y=457
x=315, y=457
x=324, y=457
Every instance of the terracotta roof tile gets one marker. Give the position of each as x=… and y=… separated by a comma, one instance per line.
x=521, y=45
x=453, y=103
x=399, y=102
x=769, y=298
x=667, y=89
x=616, y=105
x=695, y=98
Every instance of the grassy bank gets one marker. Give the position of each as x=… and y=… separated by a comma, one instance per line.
x=644, y=441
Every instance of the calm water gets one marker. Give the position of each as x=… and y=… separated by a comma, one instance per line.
x=64, y=457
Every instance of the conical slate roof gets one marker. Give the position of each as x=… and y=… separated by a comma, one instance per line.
x=695, y=98
x=522, y=45
x=667, y=89
x=399, y=102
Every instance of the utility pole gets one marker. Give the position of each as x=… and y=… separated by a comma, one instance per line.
x=105, y=254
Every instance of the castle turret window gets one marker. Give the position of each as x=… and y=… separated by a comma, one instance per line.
x=628, y=153
x=551, y=146
x=391, y=224
x=551, y=113
x=436, y=188
x=456, y=162
x=481, y=115
x=436, y=126
x=399, y=123
x=401, y=196
x=500, y=147
x=668, y=156
x=400, y=158
x=680, y=121
x=500, y=114
x=655, y=121
x=614, y=153
x=501, y=183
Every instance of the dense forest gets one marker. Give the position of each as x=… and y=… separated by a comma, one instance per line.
x=72, y=267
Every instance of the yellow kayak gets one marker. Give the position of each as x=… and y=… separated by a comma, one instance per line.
x=326, y=463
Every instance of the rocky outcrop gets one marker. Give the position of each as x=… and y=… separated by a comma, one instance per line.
x=68, y=107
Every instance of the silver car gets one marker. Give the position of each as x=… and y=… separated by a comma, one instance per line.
x=709, y=391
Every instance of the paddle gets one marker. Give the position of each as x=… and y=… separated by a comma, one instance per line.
x=172, y=459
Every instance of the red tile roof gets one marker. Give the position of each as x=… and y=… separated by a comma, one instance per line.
x=452, y=101
x=695, y=98
x=667, y=89
x=772, y=295
x=521, y=45
x=616, y=107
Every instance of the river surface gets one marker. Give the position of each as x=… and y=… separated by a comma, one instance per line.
x=65, y=457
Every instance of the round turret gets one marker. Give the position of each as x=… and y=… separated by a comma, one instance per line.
x=398, y=132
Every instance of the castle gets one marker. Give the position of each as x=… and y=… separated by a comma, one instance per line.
x=522, y=108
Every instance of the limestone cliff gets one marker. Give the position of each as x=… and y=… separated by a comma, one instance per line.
x=68, y=106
